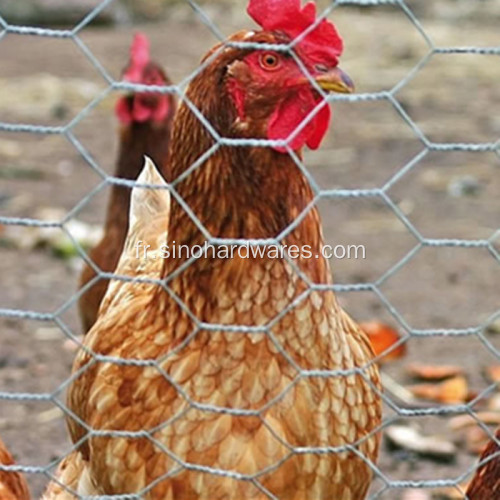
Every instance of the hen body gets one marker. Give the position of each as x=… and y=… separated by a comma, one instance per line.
x=12, y=484
x=216, y=399
x=486, y=483
x=137, y=138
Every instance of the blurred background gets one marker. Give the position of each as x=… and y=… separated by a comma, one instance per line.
x=444, y=301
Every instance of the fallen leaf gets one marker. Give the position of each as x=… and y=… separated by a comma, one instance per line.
x=433, y=372
x=452, y=391
x=71, y=345
x=48, y=333
x=450, y=492
x=410, y=439
x=383, y=338
x=462, y=421
x=476, y=438
x=15, y=172
x=49, y=415
x=416, y=494
x=54, y=238
x=494, y=403
x=493, y=374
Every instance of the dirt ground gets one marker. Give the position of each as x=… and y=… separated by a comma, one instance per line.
x=452, y=195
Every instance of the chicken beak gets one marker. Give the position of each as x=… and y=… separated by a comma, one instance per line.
x=335, y=81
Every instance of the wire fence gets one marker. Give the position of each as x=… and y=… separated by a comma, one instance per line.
x=391, y=96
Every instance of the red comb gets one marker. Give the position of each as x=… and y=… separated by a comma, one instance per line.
x=139, y=57
x=139, y=51
x=321, y=45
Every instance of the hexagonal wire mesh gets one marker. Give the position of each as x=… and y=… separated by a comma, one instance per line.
x=381, y=193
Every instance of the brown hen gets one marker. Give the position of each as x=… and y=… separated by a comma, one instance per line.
x=485, y=484
x=12, y=484
x=145, y=130
x=246, y=381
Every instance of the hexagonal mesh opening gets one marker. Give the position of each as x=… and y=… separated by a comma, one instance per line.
x=233, y=371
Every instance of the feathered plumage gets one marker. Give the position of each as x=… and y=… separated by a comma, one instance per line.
x=210, y=397
x=485, y=484
x=146, y=120
x=13, y=486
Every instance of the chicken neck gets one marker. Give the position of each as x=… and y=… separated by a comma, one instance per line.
x=134, y=140
x=238, y=191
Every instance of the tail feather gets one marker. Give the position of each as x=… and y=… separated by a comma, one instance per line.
x=71, y=480
x=148, y=228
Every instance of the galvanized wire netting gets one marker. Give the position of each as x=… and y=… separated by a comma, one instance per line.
x=381, y=193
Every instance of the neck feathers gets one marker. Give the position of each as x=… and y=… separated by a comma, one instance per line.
x=136, y=140
x=237, y=191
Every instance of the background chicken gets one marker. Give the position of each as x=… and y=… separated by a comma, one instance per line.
x=486, y=482
x=238, y=192
x=12, y=484
x=145, y=120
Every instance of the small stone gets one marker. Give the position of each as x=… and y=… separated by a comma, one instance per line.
x=10, y=149
x=467, y=185
x=48, y=333
x=494, y=327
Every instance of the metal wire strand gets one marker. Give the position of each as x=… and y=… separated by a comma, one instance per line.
x=382, y=193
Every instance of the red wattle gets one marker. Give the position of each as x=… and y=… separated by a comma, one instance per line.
x=289, y=116
x=321, y=122
x=161, y=111
x=140, y=112
x=122, y=111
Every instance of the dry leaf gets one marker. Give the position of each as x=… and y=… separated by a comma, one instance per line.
x=493, y=374
x=382, y=338
x=50, y=415
x=416, y=494
x=71, y=345
x=486, y=417
x=433, y=372
x=409, y=438
x=450, y=492
x=452, y=391
x=494, y=403
x=476, y=438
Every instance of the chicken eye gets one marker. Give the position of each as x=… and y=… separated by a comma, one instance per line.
x=269, y=60
x=321, y=68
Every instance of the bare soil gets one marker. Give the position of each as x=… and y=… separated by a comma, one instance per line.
x=452, y=195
